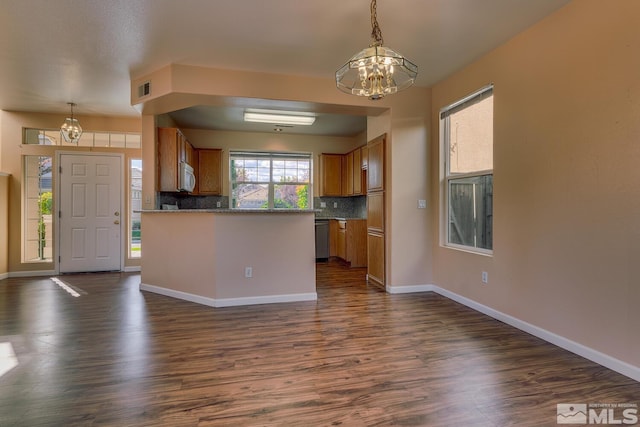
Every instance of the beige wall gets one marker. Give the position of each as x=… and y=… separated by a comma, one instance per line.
x=566, y=180
x=4, y=224
x=11, y=154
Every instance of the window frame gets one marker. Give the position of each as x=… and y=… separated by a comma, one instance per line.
x=447, y=177
x=271, y=184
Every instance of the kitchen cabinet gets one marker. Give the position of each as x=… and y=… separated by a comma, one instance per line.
x=347, y=171
x=209, y=171
x=375, y=262
x=356, y=242
x=348, y=241
x=364, y=158
x=330, y=175
x=342, y=240
x=171, y=149
x=375, y=165
x=356, y=172
x=376, y=211
x=333, y=237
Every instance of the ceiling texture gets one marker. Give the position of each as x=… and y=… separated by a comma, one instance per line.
x=87, y=51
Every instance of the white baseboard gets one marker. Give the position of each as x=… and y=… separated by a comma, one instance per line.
x=39, y=273
x=229, y=302
x=4, y=276
x=132, y=269
x=605, y=360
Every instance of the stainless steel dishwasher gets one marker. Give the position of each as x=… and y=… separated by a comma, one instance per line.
x=322, y=239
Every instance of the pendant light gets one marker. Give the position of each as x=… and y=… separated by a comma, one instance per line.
x=71, y=130
x=376, y=71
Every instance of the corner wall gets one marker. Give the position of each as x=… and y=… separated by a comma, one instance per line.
x=566, y=180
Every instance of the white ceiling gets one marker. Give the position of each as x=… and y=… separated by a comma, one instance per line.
x=87, y=51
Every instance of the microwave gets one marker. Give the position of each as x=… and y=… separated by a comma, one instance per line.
x=186, y=179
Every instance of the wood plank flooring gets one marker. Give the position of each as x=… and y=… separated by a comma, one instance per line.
x=115, y=356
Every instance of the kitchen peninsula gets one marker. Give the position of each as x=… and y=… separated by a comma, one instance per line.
x=229, y=257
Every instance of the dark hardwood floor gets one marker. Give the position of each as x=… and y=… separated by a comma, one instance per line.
x=115, y=356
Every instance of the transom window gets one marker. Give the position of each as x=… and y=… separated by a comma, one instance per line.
x=270, y=180
x=88, y=139
x=467, y=134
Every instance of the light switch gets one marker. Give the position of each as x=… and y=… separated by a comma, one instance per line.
x=323, y=204
x=422, y=204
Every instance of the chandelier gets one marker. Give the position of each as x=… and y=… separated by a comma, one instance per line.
x=71, y=129
x=377, y=70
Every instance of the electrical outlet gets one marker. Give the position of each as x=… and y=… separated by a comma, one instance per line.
x=218, y=204
x=485, y=277
x=248, y=272
x=335, y=204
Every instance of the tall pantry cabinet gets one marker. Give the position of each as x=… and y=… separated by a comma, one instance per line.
x=375, y=210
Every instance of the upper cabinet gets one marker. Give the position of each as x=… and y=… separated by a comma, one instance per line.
x=342, y=174
x=172, y=148
x=209, y=172
x=330, y=175
x=375, y=166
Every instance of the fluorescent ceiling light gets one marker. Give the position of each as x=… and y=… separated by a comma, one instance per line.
x=279, y=117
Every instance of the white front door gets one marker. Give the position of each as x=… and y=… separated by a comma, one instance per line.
x=90, y=214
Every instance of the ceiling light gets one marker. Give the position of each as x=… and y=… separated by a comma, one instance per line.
x=279, y=117
x=377, y=70
x=70, y=129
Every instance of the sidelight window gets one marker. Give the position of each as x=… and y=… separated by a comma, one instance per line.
x=270, y=180
x=467, y=140
x=37, y=245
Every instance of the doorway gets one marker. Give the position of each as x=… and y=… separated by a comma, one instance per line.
x=90, y=216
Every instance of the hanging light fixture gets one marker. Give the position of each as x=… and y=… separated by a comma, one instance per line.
x=71, y=129
x=377, y=70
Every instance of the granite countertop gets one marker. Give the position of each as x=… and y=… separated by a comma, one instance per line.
x=233, y=211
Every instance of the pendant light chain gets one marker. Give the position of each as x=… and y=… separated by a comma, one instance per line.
x=376, y=32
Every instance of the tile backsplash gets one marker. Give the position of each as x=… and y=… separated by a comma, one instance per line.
x=346, y=207
x=188, y=201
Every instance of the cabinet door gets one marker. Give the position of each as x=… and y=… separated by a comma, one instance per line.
x=375, y=212
x=331, y=174
x=357, y=172
x=375, y=168
x=348, y=174
x=364, y=157
x=357, y=242
x=333, y=237
x=167, y=159
x=209, y=172
x=375, y=255
x=342, y=244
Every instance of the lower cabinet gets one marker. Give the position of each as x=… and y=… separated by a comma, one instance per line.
x=376, y=258
x=348, y=241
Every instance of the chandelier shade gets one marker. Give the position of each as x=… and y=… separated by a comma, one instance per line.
x=376, y=71
x=71, y=130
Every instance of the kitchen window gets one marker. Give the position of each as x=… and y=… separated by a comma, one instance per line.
x=467, y=140
x=262, y=180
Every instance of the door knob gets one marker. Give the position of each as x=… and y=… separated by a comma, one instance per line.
x=116, y=222
x=117, y=213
